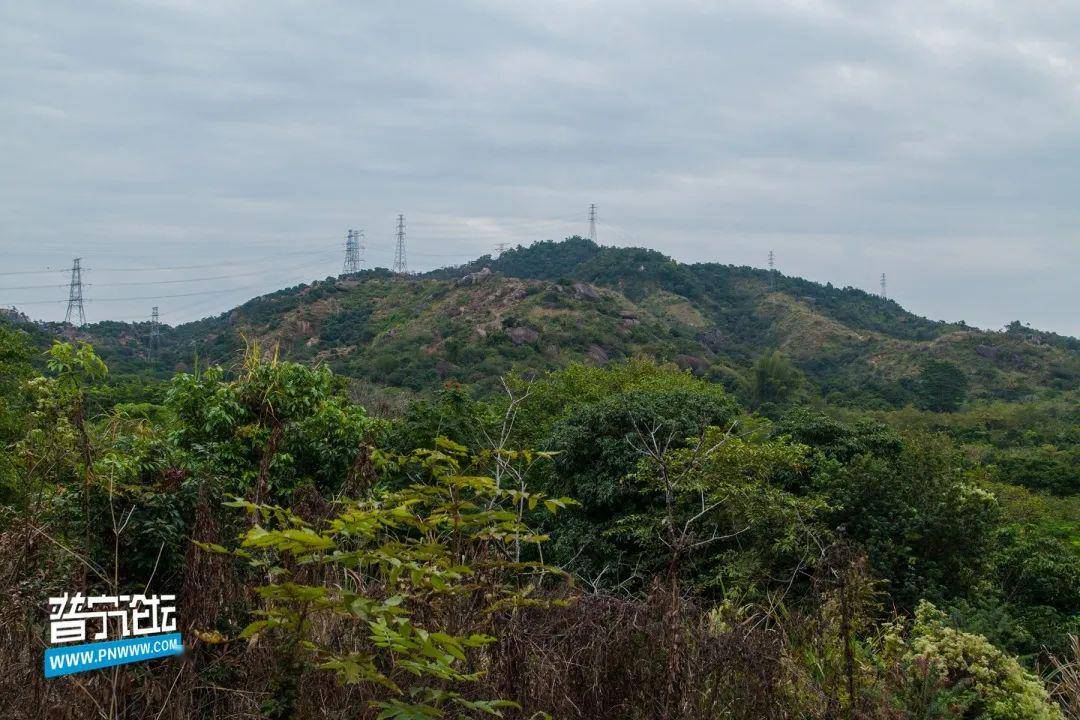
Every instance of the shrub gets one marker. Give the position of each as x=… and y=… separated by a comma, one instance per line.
x=950, y=673
x=408, y=580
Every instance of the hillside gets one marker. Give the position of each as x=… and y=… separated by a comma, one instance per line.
x=600, y=517
x=551, y=304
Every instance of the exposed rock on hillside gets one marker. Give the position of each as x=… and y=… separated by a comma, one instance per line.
x=475, y=278
x=522, y=335
x=597, y=354
x=585, y=291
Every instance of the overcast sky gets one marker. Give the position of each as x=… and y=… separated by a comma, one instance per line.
x=237, y=141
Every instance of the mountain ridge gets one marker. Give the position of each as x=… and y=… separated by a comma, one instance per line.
x=544, y=306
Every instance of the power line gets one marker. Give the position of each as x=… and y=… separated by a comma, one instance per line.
x=175, y=310
x=34, y=272
x=156, y=297
x=265, y=259
x=446, y=255
x=34, y=287
x=75, y=296
x=400, y=264
x=364, y=250
x=161, y=269
x=324, y=256
x=47, y=271
x=176, y=295
x=140, y=297
x=321, y=259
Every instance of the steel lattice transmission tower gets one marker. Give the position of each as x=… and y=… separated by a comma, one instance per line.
x=400, y=264
x=354, y=251
x=883, y=293
x=500, y=248
x=772, y=269
x=75, y=296
x=592, y=222
x=155, y=331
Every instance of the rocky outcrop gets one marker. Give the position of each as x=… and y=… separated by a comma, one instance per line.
x=522, y=335
x=696, y=365
x=475, y=278
x=14, y=315
x=587, y=292
x=713, y=339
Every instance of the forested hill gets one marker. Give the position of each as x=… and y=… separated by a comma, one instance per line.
x=553, y=303
x=725, y=290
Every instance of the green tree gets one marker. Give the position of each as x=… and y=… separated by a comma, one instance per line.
x=596, y=449
x=277, y=427
x=60, y=417
x=942, y=386
x=720, y=513
x=910, y=501
x=773, y=380
x=15, y=369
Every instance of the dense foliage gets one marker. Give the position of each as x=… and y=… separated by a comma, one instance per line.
x=698, y=532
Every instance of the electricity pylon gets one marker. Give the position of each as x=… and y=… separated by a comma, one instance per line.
x=75, y=296
x=400, y=264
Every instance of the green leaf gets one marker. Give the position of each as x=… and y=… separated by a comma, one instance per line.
x=450, y=446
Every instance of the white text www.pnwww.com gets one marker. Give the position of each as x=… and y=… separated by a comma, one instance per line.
x=123, y=652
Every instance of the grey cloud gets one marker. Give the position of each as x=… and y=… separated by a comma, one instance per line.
x=937, y=142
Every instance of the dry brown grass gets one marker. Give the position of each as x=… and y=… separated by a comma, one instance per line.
x=1066, y=687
